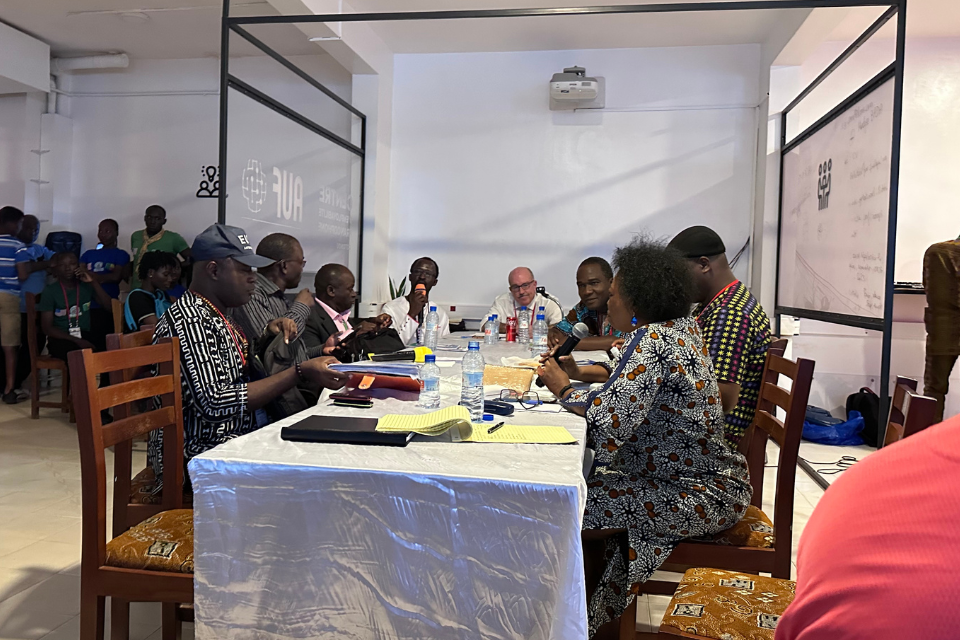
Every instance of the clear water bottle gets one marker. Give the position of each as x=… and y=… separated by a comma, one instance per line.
x=471, y=391
x=430, y=328
x=540, y=328
x=491, y=330
x=523, y=326
x=429, y=383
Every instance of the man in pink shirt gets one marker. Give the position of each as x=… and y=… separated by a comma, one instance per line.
x=330, y=321
x=878, y=558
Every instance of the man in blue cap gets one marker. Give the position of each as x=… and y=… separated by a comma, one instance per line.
x=220, y=401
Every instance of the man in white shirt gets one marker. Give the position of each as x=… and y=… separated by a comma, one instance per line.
x=409, y=312
x=523, y=293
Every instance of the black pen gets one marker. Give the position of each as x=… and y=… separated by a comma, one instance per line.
x=495, y=427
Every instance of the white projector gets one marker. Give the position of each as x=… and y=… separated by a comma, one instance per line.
x=572, y=89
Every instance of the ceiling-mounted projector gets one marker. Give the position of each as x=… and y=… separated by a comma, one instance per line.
x=572, y=89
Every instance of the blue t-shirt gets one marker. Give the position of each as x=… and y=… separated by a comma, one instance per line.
x=102, y=261
x=177, y=291
x=9, y=246
x=37, y=280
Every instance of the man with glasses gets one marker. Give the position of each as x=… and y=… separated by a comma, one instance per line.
x=409, y=312
x=268, y=302
x=523, y=293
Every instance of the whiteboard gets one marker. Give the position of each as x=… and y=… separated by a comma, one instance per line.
x=835, y=203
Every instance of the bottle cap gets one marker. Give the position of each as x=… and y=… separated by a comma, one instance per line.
x=474, y=345
x=429, y=358
x=433, y=307
x=523, y=308
x=494, y=316
x=488, y=417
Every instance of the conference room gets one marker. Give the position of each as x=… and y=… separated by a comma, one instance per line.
x=490, y=320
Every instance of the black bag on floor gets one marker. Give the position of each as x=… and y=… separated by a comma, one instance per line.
x=868, y=404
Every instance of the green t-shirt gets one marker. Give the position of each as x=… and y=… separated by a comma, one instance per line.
x=52, y=300
x=169, y=241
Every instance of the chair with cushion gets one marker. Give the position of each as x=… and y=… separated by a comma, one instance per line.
x=152, y=561
x=726, y=605
x=758, y=544
x=38, y=362
x=910, y=412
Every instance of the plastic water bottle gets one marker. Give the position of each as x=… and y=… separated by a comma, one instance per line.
x=430, y=328
x=491, y=330
x=523, y=326
x=429, y=383
x=471, y=391
x=540, y=328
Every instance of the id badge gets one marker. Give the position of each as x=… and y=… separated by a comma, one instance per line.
x=75, y=332
x=261, y=417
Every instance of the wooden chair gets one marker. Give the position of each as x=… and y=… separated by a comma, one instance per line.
x=910, y=412
x=38, y=362
x=117, y=309
x=120, y=568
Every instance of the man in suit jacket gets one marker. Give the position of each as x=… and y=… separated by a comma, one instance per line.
x=329, y=321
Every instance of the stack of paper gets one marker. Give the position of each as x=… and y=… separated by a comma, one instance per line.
x=439, y=422
x=434, y=423
x=368, y=367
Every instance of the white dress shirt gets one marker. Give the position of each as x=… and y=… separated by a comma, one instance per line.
x=408, y=327
x=506, y=307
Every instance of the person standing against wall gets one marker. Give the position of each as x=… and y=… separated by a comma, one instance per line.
x=155, y=238
x=32, y=274
x=10, y=220
x=941, y=282
x=106, y=265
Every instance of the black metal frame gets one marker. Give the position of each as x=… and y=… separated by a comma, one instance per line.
x=895, y=72
x=229, y=81
x=894, y=8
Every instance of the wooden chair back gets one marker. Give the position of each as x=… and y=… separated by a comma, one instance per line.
x=31, y=303
x=117, y=309
x=910, y=412
x=95, y=437
x=126, y=515
x=777, y=348
x=38, y=362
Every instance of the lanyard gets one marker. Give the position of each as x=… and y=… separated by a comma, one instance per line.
x=719, y=293
x=66, y=302
x=236, y=342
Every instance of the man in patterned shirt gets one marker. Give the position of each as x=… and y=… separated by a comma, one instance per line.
x=221, y=401
x=734, y=326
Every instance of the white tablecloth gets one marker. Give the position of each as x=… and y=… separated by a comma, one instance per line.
x=434, y=540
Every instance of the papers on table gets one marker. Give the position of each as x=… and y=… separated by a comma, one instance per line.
x=379, y=368
x=438, y=422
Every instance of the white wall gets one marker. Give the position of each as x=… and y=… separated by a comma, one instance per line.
x=486, y=178
x=130, y=151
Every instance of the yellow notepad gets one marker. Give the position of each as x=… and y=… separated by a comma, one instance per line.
x=520, y=434
x=431, y=424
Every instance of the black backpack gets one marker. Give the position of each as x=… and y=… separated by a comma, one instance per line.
x=358, y=347
x=273, y=355
x=868, y=404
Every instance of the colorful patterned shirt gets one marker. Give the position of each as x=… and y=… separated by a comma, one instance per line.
x=598, y=323
x=736, y=332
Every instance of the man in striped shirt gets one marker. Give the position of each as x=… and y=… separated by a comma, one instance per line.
x=10, y=253
x=221, y=398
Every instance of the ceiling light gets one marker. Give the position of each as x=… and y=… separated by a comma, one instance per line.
x=324, y=38
x=137, y=17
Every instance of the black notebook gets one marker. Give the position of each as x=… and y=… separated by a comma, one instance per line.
x=343, y=430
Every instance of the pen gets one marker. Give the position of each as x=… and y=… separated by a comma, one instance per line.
x=495, y=427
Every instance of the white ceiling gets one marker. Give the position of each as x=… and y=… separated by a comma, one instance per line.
x=191, y=28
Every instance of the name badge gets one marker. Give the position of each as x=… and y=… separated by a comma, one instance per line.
x=75, y=332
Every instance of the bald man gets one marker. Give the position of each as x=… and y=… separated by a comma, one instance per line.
x=523, y=293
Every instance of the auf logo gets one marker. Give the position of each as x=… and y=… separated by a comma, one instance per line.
x=289, y=190
x=823, y=184
x=253, y=185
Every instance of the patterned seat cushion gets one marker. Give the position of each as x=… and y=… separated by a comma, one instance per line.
x=143, y=489
x=726, y=605
x=161, y=543
x=754, y=530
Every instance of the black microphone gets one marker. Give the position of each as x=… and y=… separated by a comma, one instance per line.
x=580, y=331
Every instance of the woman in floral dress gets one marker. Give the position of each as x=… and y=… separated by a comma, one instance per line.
x=663, y=470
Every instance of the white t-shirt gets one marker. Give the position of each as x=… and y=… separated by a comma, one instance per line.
x=406, y=326
x=506, y=307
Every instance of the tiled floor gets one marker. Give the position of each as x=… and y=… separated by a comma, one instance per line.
x=40, y=529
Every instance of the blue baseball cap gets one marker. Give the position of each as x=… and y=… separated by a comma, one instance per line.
x=220, y=241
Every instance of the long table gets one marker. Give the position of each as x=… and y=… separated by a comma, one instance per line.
x=433, y=540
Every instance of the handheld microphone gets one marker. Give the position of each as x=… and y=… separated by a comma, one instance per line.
x=421, y=287
x=580, y=331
